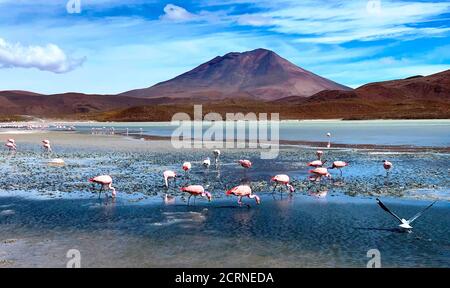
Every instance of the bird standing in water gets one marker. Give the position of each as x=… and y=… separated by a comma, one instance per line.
x=196, y=190
x=243, y=191
x=106, y=182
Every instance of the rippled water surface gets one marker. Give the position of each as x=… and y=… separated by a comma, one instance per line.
x=46, y=210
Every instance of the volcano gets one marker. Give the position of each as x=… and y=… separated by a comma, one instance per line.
x=257, y=75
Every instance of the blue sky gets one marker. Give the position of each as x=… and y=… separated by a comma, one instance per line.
x=117, y=45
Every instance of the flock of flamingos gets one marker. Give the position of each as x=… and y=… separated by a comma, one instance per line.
x=317, y=173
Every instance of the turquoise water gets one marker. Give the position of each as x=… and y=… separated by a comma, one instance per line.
x=433, y=133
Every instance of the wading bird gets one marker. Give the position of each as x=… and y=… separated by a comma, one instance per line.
x=243, y=191
x=187, y=166
x=338, y=165
x=216, y=156
x=404, y=224
x=168, y=174
x=283, y=180
x=206, y=163
x=11, y=146
x=329, y=140
x=387, y=166
x=319, y=173
x=196, y=190
x=316, y=163
x=245, y=163
x=106, y=182
x=319, y=154
x=46, y=145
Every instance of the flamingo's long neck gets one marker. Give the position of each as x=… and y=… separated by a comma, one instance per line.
x=166, y=181
x=291, y=188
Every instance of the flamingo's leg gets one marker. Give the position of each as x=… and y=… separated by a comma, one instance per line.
x=189, y=199
x=340, y=170
x=240, y=200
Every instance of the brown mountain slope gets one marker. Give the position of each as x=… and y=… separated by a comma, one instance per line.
x=259, y=75
x=24, y=103
x=435, y=87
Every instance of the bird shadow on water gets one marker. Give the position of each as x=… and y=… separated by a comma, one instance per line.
x=392, y=230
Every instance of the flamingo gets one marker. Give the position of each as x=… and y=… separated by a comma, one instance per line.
x=168, y=174
x=316, y=163
x=216, y=156
x=196, y=190
x=283, y=180
x=387, y=166
x=339, y=165
x=186, y=167
x=329, y=140
x=243, y=191
x=46, y=145
x=11, y=140
x=319, y=154
x=207, y=163
x=245, y=163
x=319, y=173
x=11, y=146
x=106, y=182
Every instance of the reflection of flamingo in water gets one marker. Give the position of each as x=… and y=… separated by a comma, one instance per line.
x=243, y=191
x=196, y=190
x=106, y=182
x=319, y=193
x=283, y=180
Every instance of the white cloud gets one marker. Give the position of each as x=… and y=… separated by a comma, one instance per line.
x=46, y=58
x=177, y=14
x=335, y=22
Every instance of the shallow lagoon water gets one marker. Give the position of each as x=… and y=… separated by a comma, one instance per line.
x=45, y=211
x=431, y=133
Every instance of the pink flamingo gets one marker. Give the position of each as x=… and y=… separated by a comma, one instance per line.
x=11, y=146
x=319, y=154
x=186, y=167
x=329, y=140
x=168, y=174
x=283, y=180
x=387, y=166
x=245, y=163
x=316, y=163
x=243, y=191
x=319, y=173
x=339, y=165
x=46, y=145
x=106, y=182
x=196, y=190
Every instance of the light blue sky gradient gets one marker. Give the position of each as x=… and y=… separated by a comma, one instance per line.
x=113, y=46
